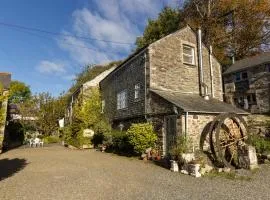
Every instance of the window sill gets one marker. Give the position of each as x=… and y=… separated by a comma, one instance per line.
x=122, y=109
x=189, y=64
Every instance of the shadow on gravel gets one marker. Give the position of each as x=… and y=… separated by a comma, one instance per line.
x=8, y=167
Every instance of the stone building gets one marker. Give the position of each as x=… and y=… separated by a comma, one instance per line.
x=175, y=83
x=247, y=84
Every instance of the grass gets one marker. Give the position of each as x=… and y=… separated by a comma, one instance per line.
x=228, y=175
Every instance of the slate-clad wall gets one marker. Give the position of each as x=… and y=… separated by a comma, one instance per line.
x=168, y=72
x=125, y=78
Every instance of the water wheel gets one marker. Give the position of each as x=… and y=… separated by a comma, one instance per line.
x=226, y=136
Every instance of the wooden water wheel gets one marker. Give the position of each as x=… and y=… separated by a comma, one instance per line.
x=225, y=137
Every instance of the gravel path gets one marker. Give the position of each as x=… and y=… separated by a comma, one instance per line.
x=57, y=173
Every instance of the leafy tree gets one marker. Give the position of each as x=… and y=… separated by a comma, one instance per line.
x=2, y=98
x=168, y=21
x=89, y=72
x=232, y=27
x=50, y=110
x=19, y=92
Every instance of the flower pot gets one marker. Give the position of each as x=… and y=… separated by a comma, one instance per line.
x=158, y=157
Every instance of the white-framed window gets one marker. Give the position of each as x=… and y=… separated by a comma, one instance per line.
x=122, y=99
x=137, y=88
x=102, y=106
x=188, y=54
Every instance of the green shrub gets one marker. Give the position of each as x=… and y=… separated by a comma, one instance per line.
x=261, y=144
x=51, y=139
x=120, y=142
x=141, y=136
x=180, y=147
x=15, y=132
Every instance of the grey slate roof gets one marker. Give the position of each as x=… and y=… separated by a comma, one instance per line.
x=5, y=79
x=248, y=62
x=196, y=103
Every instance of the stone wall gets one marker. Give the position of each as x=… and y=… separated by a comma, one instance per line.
x=258, y=124
x=261, y=88
x=168, y=72
x=196, y=125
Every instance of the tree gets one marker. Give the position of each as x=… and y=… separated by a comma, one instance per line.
x=89, y=72
x=2, y=98
x=50, y=110
x=168, y=21
x=232, y=27
x=19, y=92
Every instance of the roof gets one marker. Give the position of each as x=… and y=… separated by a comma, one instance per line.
x=94, y=82
x=137, y=52
x=197, y=104
x=5, y=79
x=249, y=62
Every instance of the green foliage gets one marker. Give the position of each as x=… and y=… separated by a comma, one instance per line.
x=167, y=22
x=3, y=97
x=181, y=146
x=49, y=111
x=19, y=92
x=90, y=110
x=120, y=142
x=15, y=132
x=51, y=139
x=90, y=72
x=141, y=136
x=261, y=144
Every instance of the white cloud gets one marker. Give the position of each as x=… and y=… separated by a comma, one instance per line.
x=114, y=20
x=49, y=67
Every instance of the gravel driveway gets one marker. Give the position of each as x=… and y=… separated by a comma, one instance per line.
x=59, y=173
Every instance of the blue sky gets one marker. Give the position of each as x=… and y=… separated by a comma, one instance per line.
x=49, y=62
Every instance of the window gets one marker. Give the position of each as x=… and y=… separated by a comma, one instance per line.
x=188, y=55
x=122, y=99
x=244, y=75
x=240, y=76
x=102, y=106
x=137, y=91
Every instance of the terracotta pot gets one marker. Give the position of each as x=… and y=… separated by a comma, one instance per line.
x=158, y=157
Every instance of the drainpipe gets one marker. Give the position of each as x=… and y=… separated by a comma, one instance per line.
x=211, y=71
x=186, y=124
x=145, y=89
x=200, y=61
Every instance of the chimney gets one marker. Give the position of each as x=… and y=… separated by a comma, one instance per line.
x=200, y=60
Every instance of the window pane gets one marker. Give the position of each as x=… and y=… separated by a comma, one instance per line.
x=237, y=77
x=188, y=54
x=137, y=91
x=244, y=75
x=187, y=50
x=188, y=59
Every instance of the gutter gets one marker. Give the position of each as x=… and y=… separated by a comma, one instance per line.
x=186, y=124
x=145, y=89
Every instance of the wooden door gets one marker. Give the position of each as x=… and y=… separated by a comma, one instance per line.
x=170, y=136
